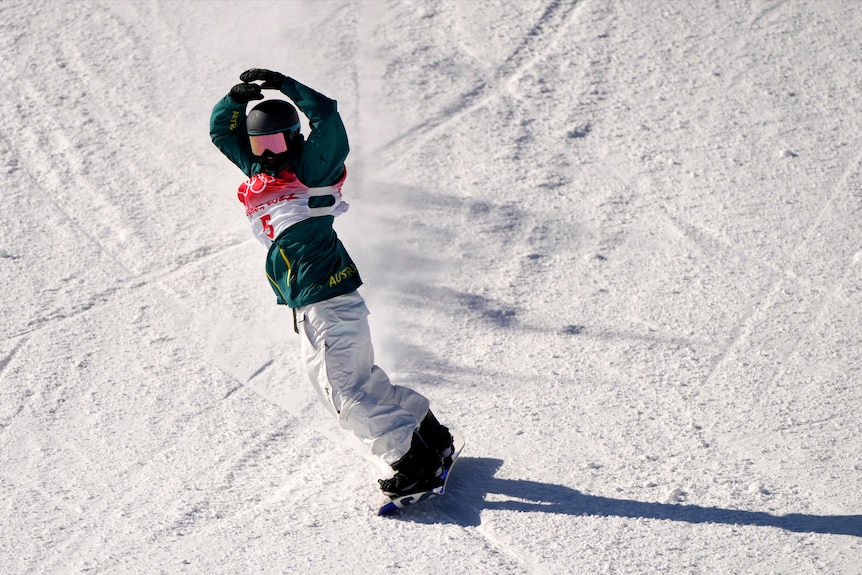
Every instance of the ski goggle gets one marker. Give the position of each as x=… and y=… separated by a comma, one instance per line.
x=276, y=143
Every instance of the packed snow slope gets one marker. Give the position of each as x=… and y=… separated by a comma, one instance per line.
x=617, y=243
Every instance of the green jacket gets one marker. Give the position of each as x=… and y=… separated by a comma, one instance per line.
x=306, y=263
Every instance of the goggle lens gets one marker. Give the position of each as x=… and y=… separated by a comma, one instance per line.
x=275, y=143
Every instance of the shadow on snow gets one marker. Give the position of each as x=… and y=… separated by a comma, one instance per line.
x=473, y=481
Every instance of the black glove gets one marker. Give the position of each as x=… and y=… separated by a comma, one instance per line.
x=245, y=93
x=271, y=80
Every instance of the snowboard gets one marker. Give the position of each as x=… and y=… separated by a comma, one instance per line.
x=413, y=498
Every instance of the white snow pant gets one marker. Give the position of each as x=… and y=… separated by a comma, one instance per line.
x=339, y=358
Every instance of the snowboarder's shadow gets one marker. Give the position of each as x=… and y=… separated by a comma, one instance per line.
x=474, y=488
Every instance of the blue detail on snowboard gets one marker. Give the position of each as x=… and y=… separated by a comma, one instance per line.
x=414, y=498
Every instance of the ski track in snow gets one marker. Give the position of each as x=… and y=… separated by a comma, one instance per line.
x=136, y=283
x=558, y=18
x=757, y=316
x=616, y=243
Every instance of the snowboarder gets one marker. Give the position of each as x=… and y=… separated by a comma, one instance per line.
x=291, y=198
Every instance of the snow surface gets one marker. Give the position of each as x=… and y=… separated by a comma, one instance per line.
x=617, y=243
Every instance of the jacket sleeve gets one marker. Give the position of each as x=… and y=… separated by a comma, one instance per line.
x=326, y=147
x=228, y=133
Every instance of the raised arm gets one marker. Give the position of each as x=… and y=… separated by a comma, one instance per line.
x=227, y=125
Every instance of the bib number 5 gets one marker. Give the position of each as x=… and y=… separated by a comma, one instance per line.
x=267, y=226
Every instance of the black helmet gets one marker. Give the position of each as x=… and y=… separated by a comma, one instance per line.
x=272, y=116
x=267, y=122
